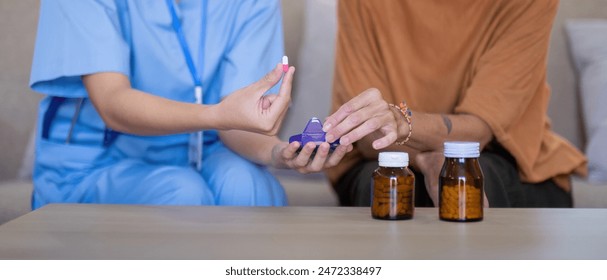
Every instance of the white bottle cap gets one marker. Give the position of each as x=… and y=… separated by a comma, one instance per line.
x=393, y=159
x=462, y=149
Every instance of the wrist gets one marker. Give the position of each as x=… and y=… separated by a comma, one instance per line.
x=211, y=116
x=403, y=121
x=276, y=159
x=401, y=124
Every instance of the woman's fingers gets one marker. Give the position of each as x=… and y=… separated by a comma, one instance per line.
x=290, y=151
x=311, y=158
x=304, y=155
x=390, y=133
x=364, y=122
x=273, y=107
x=356, y=126
x=282, y=101
x=337, y=154
x=283, y=98
x=287, y=83
x=364, y=99
x=316, y=158
x=360, y=117
x=318, y=162
x=268, y=81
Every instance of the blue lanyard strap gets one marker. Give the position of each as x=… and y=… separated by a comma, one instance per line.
x=195, y=152
x=183, y=43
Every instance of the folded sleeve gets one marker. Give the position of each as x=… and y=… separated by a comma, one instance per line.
x=256, y=47
x=76, y=38
x=511, y=72
x=508, y=89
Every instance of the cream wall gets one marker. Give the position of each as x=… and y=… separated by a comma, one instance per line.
x=18, y=19
x=310, y=28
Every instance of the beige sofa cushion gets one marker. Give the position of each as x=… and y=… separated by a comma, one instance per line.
x=15, y=199
x=588, y=45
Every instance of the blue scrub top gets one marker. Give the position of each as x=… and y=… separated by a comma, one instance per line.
x=244, y=40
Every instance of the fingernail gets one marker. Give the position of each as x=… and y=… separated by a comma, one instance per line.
x=329, y=138
x=326, y=127
x=375, y=145
x=323, y=148
x=344, y=141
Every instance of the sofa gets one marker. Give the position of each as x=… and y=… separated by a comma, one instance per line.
x=310, y=37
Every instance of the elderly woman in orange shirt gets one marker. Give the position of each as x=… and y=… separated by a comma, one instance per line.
x=468, y=70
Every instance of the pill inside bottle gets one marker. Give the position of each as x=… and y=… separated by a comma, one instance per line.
x=460, y=184
x=393, y=188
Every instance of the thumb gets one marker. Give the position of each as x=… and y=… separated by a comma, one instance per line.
x=269, y=80
x=267, y=100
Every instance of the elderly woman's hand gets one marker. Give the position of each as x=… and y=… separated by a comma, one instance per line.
x=361, y=116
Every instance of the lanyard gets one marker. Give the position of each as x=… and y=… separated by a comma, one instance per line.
x=176, y=24
x=195, y=152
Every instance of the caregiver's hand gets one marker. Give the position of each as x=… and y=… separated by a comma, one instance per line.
x=250, y=110
x=284, y=156
x=362, y=115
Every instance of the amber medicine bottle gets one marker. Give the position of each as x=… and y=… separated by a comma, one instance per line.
x=393, y=188
x=461, y=183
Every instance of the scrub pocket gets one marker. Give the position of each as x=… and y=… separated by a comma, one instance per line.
x=60, y=168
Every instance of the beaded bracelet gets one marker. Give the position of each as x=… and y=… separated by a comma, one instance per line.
x=404, y=109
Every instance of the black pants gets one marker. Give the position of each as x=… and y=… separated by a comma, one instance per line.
x=502, y=186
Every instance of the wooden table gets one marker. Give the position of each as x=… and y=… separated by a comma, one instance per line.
x=70, y=231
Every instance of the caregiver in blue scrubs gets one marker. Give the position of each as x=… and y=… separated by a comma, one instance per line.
x=163, y=102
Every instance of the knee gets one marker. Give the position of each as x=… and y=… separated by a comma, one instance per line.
x=501, y=180
x=242, y=174
x=182, y=186
x=245, y=183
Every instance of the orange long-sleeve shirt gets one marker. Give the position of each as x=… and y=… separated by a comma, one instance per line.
x=485, y=58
